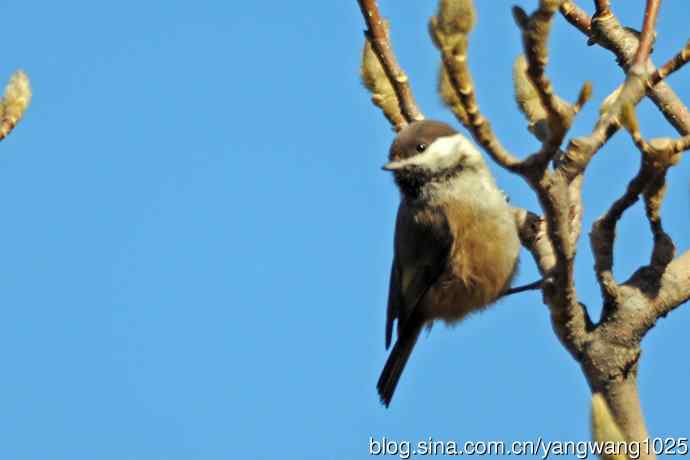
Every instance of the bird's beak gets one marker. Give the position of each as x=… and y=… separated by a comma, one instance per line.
x=393, y=165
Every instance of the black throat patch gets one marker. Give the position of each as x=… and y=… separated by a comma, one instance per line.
x=412, y=179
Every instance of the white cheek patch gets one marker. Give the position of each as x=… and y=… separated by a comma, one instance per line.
x=442, y=154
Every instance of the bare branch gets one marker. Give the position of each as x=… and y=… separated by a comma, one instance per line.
x=658, y=156
x=675, y=286
x=576, y=209
x=654, y=295
x=675, y=63
x=535, y=35
x=604, y=426
x=624, y=400
x=377, y=36
x=569, y=317
x=581, y=150
x=603, y=232
x=576, y=17
x=648, y=33
x=532, y=229
x=664, y=250
x=671, y=106
x=382, y=92
x=608, y=351
x=450, y=37
x=611, y=35
x=603, y=7
x=534, y=286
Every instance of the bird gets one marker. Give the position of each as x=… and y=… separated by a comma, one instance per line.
x=456, y=242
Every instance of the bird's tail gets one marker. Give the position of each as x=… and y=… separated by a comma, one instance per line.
x=397, y=360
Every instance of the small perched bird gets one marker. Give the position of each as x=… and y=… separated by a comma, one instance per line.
x=456, y=241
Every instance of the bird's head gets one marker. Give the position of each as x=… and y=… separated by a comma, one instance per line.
x=431, y=152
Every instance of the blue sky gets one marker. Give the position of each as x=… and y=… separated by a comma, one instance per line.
x=197, y=236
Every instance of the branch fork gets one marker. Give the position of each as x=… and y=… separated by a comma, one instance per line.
x=608, y=350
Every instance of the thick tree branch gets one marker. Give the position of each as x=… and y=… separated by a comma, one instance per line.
x=650, y=296
x=569, y=317
x=624, y=400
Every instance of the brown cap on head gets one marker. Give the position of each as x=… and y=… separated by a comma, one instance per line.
x=418, y=133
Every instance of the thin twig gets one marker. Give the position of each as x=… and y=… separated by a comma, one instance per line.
x=576, y=17
x=664, y=250
x=603, y=7
x=603, y=231
x=534, y=286
x=674, y=64
x=535, y=35
x=378, y=38
x=455, y=63
x=581, y=150
x=648, y=31
x=624, y=45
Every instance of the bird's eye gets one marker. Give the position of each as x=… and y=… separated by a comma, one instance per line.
x=421, y=147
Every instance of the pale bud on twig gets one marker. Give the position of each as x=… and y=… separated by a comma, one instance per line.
x=449, y=97
x=14, y=103
x=528, y=101
x=526, y=94
x=382, y=92
x=456, y=16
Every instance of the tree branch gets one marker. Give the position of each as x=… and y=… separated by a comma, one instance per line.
x=535, y=35
x=581, y=150
x=611, y=35
x=377, y=36
x=648, y=33
x=569, y=317
x=576, y=17
x=452, y=43
x=603, y=233
x=608, y=351
x=675, y=286
x=603, y=7
x=674, y=64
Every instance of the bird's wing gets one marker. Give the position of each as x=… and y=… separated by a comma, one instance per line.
x=421, y=254
x=393, y=301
